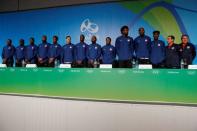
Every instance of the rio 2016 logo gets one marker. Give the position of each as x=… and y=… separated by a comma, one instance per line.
x=88, y=28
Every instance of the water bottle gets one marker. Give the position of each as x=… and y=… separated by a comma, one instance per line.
x=134, y=63
x=182, y=64
x=95, y=64
x=23, y=63
x=56, y=63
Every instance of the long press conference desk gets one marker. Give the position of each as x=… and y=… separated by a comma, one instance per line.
x=114, y=85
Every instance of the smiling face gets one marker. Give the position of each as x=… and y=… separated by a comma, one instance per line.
x=170, y=40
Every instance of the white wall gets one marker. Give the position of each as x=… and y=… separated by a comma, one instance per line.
x=42, y=114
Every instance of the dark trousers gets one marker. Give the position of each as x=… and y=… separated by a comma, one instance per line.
x=115, y=64
x=83, y=64
x=52, y=64
x=173, y=67
x=44, y=64
x=9, y=63
x=185, y=66
x=91, y=64
x=159, y=65
x=19, y=64
x=124, y=64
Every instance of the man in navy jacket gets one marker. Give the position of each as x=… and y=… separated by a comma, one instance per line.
x=142, y=47
x=172, y=54
x=54, y=53
x=93, y=53
x=67, y=55
x=8, y=54
x=124, y=48
x=43, y=49
x=20, y=54
x=81, y=52
x=31, y=52
x=157, y=52
x=108, y=52
x=187, y=51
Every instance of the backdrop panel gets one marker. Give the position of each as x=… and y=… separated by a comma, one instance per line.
x=169, y=16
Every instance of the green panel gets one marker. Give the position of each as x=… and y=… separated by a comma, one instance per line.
x=171, y=86
x=160, y=18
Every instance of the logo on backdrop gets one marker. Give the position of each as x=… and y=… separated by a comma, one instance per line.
x=88, y=28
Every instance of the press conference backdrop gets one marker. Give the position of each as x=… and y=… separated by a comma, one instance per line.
x=105, y=19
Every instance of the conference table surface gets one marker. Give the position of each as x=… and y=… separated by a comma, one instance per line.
x=159, y=86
